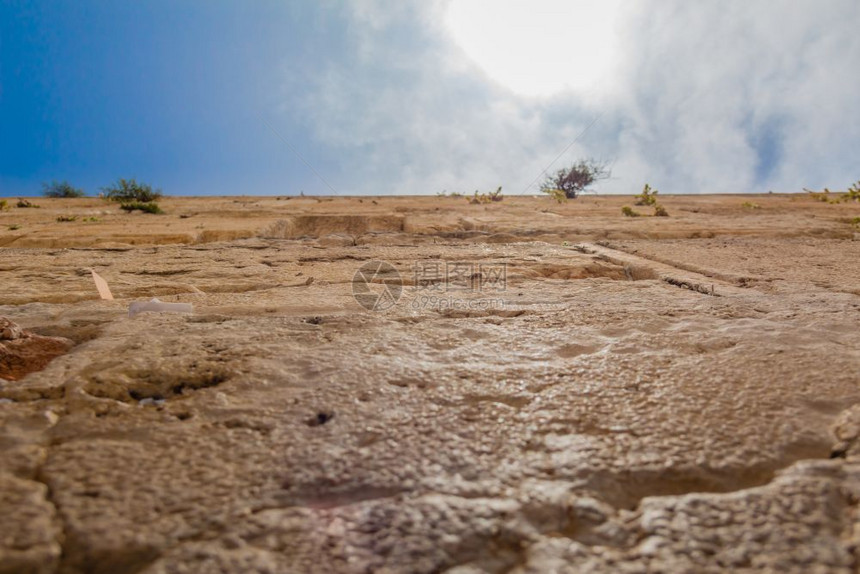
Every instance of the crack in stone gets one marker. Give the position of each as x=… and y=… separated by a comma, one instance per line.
x=58, y=514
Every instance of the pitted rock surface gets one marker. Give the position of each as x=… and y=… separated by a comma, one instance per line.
x=638, y=397
x=22, y=352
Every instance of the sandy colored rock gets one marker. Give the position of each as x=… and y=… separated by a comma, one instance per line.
x=31, y=538
x=9, y=331
x=661, y=395
x=22, y=352
x=337, y=240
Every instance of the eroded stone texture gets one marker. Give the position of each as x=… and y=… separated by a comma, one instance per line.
x=30, y=537
x=22, y=352
x=630, y=408
x=9, y=331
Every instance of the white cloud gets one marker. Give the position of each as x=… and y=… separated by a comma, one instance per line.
x=710, y=96
x=526, y=46
x=715, y=89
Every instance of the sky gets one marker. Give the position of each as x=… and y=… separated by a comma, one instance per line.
x=325, y=97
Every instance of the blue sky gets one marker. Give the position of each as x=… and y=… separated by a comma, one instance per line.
x=218, y=97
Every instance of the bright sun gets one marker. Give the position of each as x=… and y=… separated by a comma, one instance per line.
x=538, y=47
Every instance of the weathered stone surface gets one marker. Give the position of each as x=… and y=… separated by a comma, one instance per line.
x=606, y=411
x=337, y=240
x=30, y=536
x=22, y=352
x=9, y=331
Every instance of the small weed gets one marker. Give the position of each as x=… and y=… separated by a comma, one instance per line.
x=92, y=219
x=629, y=212
x=66, y=218
x=826, y=196
x=818, y=196
x=3, y=205
x=856, y=222
x=14, y=227
x=660, y=211
x=557, y=194
x=647, y=197
x=854, y=192
x=130, y=191
x=61, y=189
x=25, y=203
x=490, y=197
x=145, y=206
x=750, y=205
x=573, y=180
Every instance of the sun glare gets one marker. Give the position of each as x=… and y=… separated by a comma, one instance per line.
x=539, y=47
